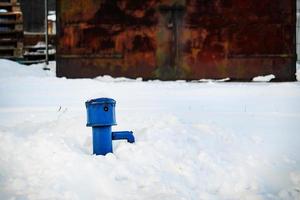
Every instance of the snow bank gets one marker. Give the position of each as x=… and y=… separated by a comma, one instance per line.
x=214, y=80
x=298, y=72
x=107, y=78
x=193, y=140
x=266, y=78
x=13, y=69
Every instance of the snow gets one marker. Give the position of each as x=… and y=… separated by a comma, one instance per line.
x=3, y=11
x=215, y=140
x=218, y=80
x=12, y=70
x=40, y=44
x=266, y=78
x=298, y=72
x=52, y=15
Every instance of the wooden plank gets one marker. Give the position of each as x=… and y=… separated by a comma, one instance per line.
x=3, y=40
x=9, y=1
x=10, y=7
x=11, y=39
x=29, y=62
x=11, y=16
x=7, y=57
x=13, y=52
x=11, y=27
x=7, y=47
x=6, y=4
x=14, y=1
x=11, y=44
x=4, y=21
x=10, y=31
x=10, y=13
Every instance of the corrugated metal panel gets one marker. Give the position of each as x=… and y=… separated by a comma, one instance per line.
x=169, y=40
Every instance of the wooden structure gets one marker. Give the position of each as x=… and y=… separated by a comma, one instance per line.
x=11, y=29
x=177, y=39
x=34, y=31
x=34, y=21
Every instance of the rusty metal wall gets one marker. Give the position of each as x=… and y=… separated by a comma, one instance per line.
x=183, y=39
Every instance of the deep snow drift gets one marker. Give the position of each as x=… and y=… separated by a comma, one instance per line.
x=193, y=140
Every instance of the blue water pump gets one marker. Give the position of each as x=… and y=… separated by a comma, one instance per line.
x=101, y=116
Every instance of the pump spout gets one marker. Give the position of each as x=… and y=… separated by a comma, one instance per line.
x=123, y=135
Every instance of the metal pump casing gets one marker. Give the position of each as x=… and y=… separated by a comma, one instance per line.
x=101, y=117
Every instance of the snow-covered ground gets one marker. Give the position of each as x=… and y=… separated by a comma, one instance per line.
x=194, y=140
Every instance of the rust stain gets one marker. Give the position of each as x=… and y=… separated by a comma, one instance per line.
x=183, y=39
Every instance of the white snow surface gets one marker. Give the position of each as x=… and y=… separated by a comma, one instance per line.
x=52, y=15
x=298, y=72
x=265, y=78
x=210, y=141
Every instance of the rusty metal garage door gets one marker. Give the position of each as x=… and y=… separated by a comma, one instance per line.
x=168, y=40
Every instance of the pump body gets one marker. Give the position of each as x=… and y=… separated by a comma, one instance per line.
x=101, y=117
